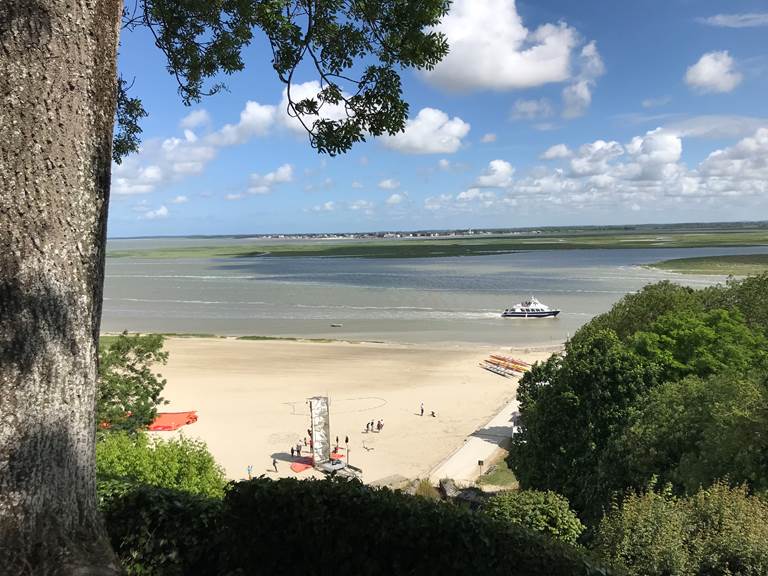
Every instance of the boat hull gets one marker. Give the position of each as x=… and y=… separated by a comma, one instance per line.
x=547, y=314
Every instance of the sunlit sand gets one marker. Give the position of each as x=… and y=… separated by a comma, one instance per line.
x=250, y=397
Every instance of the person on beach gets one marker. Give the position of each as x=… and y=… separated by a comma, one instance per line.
x=367, y=426
x=274, y=464
x=293, y=450
x=433, y=414
x=305, y=440
x=298, y=450
x=422, y=409
x=346, y=440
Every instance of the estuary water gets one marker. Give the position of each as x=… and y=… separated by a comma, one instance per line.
x=430, y=300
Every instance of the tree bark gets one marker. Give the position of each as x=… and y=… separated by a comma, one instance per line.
x=57, y=101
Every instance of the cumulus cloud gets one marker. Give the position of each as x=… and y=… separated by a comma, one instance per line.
x=158, y=214
x=389, y=184
x=431, y=132
x=556, y=151
x=498, y=174
x=396, y=199
x=747, y=20
x=714, y=72
x=329, y=206
x=444, y=164
x=180, y=200
x=531, y=109
x=578, y=96
x=488, y=138
x=492, y=49
x=364, y=206
x=301, y=92
x=195, y=118
x=130, y=178
x=646, y=173
x=259, y=184
x=255, y=120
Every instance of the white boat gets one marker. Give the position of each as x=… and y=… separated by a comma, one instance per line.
x=531, y=308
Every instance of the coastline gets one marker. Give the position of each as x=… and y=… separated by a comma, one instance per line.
x=250, y=396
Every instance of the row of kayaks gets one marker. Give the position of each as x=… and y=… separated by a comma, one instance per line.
x=505, y=365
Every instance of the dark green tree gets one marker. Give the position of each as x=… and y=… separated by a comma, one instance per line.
x=59, y=95
x=129, y=390
x=572, y=410
x=693, y=431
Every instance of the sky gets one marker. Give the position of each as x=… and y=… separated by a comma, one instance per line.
x=546, y=112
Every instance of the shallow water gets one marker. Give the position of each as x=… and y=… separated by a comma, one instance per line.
x=435, y=300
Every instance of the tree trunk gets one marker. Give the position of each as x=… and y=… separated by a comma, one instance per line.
x=57, y=100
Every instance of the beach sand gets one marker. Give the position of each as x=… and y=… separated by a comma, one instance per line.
x=250, y=397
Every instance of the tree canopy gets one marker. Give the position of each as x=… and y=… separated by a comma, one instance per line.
x=356, y=49
x=129, y=389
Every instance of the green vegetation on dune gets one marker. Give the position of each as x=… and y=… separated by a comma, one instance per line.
x=461, y=246
x=739, y=265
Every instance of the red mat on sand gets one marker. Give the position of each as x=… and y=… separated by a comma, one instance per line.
x=167, y=421
x=301, y=465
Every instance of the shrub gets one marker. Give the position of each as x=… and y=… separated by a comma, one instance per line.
x=646, y=535
x=718, y=531
x=157, y=531
x=545, y=512
x=339, y=527
x=125, y=460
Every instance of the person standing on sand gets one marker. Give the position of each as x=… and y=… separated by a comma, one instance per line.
x=293, y=450
x=274, y=464
x=422, y=409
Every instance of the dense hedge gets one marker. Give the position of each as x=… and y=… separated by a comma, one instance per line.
x=325, y=527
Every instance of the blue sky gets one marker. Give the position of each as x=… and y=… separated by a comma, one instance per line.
x=544, y=113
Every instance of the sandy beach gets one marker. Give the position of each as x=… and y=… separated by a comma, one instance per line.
x=250, y=397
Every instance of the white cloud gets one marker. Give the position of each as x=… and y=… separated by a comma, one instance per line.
x=717, y=126
x=259, y=184
x=444, y=164
x=531, y=109
x=329, y=206
x=714, y=72
x=435, y=203
x=180, y=200
x=475, y=194
x=389, y=184
x=498, y=175
x=357, y=185
x=557, y=151
x=488, y=138
x=364, y=206
x=195, y=118
x=234, y=196
x=396, y=199
x=656, y=102
x=129, y=178
x=431, y=132
x=301, y=92
x=492, y=49
x=593, y=158
x=158, y=214
x=255, y=120
x=747, y=20
x=578, y=96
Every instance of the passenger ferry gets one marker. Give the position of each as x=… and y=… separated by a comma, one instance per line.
x=530, y=309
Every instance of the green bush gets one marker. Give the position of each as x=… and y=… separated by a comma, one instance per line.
x=127, y=460
x=718, y=531
x=545, y=512
x=646, y=535
x=338, y=527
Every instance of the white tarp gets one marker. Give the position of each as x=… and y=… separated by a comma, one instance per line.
x=321, y=429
